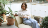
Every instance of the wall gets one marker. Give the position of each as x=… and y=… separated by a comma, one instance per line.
x=40, y=10
x=37, y=10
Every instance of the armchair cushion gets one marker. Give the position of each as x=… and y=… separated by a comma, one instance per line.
x=24, y=26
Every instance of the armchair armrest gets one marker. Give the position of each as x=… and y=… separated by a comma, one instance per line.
x=18, y=21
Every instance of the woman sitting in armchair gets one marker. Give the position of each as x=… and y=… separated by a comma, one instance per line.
x=26, y=16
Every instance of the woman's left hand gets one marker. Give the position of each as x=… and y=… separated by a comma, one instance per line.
x=24, y=17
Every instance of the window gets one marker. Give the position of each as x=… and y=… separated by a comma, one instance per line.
x=22, y=0
x=40, y=0
x=36, y=1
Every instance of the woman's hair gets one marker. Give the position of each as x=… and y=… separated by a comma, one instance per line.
x=24, y=4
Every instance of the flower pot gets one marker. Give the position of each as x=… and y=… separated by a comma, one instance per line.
x=10, y=21
x=1, y=20
x=4, y=17
x=1, y=14
x=47, y=0
x=0, y=24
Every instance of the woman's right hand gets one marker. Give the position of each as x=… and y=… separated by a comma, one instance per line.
x=24, y=17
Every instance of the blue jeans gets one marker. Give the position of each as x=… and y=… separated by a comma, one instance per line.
x=31, y=22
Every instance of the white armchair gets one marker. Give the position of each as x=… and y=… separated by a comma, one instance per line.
x=19, y=23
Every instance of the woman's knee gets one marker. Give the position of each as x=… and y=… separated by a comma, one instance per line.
x=27, y=22
x=36, y=21
x=24, y=19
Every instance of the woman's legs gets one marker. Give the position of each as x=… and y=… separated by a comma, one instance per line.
x=34, y=23
x=26, y=21
x=31, y=22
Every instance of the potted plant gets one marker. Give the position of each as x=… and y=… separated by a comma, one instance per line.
x=3, y=2
x=11, y=17
x=2, y=8
x=45, y=22
x=3, y=13
x=1, y=19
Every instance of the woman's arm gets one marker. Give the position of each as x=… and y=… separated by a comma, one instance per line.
x=27, y=16
x=24, y=17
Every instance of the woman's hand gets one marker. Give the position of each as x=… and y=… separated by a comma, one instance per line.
x=24, y=17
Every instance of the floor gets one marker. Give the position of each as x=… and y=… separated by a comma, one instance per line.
x=4, y=25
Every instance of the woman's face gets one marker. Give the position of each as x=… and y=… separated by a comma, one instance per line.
x=23, y=7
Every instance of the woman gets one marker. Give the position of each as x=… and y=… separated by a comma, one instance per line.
x=26, y=16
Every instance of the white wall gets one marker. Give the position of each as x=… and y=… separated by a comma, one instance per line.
x=17, y=6
x=37, y=10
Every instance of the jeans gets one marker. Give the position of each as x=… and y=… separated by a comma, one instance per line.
x=32, y=22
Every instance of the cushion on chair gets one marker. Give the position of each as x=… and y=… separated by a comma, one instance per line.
x=24, y=26
x=32, y=17
x=37, y=18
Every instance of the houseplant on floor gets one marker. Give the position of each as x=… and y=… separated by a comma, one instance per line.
x=3, y=12
x=1, y=19
x=2, y=8
x=45, y=22
x=11, y=17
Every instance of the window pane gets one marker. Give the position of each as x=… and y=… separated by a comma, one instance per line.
x=41, y=1
x=21, y=0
